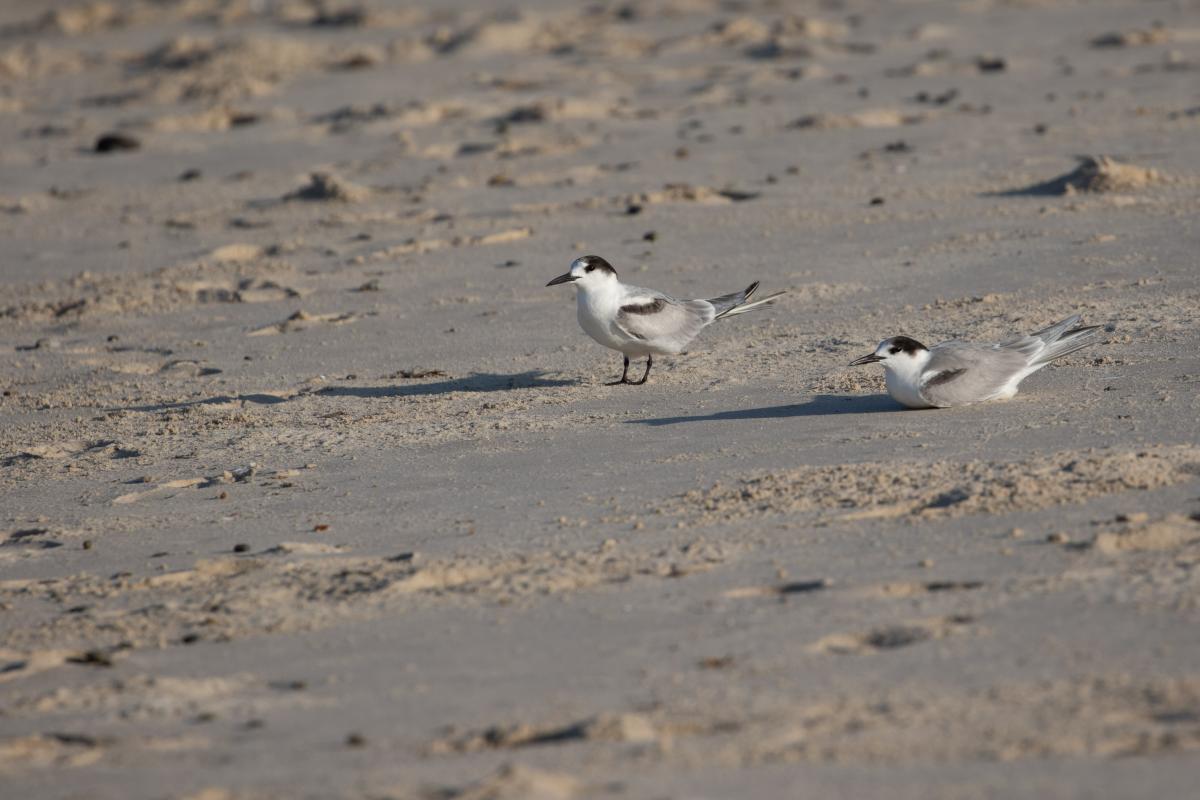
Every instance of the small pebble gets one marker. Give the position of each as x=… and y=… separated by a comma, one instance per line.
x=291, y=686
x=716, y=662
x=1056, y=537
x=116, y=142
x=356, y=740
x=241, y=548
x=87, y=544
x=991, y=64
x=97, y=658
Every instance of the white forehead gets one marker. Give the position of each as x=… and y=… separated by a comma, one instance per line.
x=578, y=263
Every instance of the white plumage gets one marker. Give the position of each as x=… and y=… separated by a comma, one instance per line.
x=641, y=322
x=957, y=373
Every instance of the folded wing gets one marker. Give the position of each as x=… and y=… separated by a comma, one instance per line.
x=664, y=323
x=959, y=373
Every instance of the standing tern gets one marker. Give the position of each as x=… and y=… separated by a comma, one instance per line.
x=958, y=373
x=643, y=322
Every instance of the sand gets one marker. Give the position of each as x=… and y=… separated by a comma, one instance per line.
x=309, y=487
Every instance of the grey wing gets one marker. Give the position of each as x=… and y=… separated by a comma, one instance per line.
x=959, y=372
x=661, y=321
x=1028, y=346
x=1034, y=344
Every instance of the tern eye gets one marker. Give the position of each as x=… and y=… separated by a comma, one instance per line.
x=589, y=268
x=893, y=349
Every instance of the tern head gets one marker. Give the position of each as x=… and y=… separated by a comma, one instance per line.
x=899, y=353
x=590, y=272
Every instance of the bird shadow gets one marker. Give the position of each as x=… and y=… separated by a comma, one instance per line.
x=820, y=406
x=476, y=382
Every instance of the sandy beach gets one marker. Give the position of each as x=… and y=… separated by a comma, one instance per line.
x=311, y=488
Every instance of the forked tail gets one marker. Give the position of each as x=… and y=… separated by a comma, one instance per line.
x=730, y=305
x=1060, y=341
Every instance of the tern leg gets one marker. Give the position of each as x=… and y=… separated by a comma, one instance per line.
x=646, y=374
x=624, y=375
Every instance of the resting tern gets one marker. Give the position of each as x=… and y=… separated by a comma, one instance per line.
x=957, y=373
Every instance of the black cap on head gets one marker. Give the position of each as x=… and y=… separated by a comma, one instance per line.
x=593, y=263
x=903, y=344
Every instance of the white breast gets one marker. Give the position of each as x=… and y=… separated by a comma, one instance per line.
x=904, y=390
x=596, y=312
